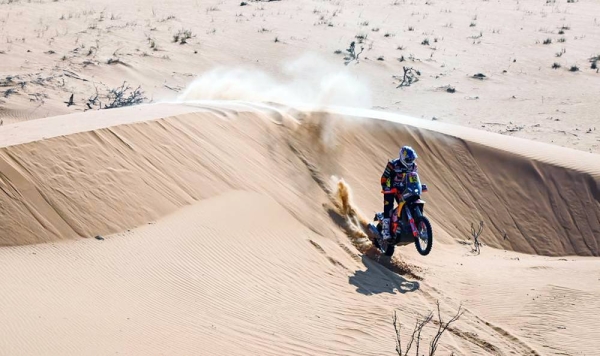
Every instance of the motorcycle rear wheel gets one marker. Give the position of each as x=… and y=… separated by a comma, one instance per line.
x=388, y=249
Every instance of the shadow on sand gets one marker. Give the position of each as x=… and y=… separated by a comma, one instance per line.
x=377, y=279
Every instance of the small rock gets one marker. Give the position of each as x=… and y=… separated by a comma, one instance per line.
x=99, y=238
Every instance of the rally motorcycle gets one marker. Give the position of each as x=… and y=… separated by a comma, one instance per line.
x=407, y=223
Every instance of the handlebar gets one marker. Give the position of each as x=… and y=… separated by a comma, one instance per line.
x=391, y=191
x=395, y=191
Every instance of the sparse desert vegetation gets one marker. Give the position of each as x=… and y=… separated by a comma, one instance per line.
x=182, y=36
x=118, y=97
x=86, y=37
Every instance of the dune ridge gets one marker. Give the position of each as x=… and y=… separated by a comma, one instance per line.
x=118, y=176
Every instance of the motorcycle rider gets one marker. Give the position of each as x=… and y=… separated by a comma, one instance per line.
x=394, y=176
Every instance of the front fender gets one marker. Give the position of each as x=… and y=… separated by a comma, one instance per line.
x=417, y=207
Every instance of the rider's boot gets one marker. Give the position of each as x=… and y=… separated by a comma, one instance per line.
x=385, y=229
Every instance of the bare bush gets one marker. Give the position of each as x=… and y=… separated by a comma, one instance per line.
x=182, y=36
x=124, y=96
x=9, y=92
x=409, y=77
x=351, y=54
x=594, y=62
x=420, y=324
x=475, y=233
x=118, y=97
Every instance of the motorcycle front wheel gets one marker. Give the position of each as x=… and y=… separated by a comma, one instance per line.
x=424, y=239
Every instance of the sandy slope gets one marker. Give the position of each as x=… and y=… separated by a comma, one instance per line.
x=259, y=263
x=52, y=49
x=196, y=283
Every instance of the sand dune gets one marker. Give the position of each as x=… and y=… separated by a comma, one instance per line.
x=229, y=210
x=112, y=178
x=264, y=259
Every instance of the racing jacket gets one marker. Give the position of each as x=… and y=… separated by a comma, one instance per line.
x=394, y=175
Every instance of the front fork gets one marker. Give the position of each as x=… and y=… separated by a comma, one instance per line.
x=411, y=220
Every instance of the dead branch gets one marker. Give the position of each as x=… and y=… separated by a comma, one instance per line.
x=419, y=325
x=398, y=338
x=442, y=327
x=420, y=328
x=74, y=75
x=93, y=100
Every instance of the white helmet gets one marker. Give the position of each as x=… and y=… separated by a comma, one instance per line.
x=407, y=156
